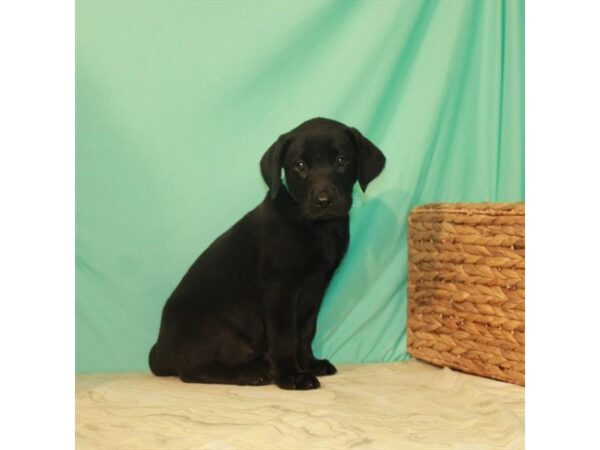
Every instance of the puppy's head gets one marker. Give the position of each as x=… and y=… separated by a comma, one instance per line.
x=321, y=160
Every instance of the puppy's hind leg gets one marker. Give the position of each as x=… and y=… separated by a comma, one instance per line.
x=255, y=373
x=158, y=365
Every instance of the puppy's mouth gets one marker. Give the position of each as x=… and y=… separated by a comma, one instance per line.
x=315, y=212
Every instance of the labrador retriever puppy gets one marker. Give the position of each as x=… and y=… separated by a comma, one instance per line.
x=245, y=313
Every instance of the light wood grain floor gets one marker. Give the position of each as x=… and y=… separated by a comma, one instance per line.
x=408, y=405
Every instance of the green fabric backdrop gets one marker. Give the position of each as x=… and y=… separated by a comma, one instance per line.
x=178, y=100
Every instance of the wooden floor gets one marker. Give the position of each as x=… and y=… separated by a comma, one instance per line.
x=408, y=405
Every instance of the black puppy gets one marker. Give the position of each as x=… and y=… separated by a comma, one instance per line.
x=246, y=311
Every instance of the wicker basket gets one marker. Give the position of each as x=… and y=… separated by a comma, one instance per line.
x=466, y=288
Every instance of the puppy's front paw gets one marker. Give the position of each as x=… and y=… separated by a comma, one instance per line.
x=322, y=367
x=300, y=381
x=259, y=377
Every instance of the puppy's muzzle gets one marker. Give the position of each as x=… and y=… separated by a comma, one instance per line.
x=324, y=197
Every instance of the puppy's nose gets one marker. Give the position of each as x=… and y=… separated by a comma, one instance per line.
x=323, y=198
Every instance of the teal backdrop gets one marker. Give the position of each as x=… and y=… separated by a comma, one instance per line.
x=176, y=101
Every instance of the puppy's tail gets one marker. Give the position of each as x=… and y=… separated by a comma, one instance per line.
x=157, y=366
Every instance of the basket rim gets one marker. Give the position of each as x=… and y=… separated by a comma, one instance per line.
x=487, y=208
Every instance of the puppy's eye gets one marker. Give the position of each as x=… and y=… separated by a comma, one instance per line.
x=340, y=161
x=300, y=165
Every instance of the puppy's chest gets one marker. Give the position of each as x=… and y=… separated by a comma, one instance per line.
x=327, y=248
x=305, y=251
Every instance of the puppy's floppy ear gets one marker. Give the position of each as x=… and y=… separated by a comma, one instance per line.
x=270, y=164
x=370, y=160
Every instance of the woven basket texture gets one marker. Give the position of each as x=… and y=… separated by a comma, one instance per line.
x=466, y=287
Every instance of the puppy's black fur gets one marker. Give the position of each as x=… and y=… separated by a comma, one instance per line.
x=245, y=312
